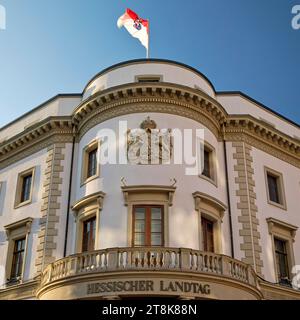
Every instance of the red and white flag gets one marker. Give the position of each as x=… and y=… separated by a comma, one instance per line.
x=136, y=26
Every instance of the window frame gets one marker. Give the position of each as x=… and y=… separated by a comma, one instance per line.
x=148, y=222
x=211, y=209
x=154, y=78
x=280, y=187
x=85, y=178
x=19, y=188
x=206, y=221
x=84, y=222
x=286, y=258
x=83, y=210
x=285, y=232
x=148, y=195
x=16, y=231
x=14, y=264
x=212, y=164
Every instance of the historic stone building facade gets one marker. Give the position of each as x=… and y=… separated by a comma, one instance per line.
x=72, y=227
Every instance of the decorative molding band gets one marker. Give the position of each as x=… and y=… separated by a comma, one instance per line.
x=262, y=136
x=156, y=97
x=247, y=206
x=22, y=291
x=50, y=206
x=143, y=98
x=149, y=189
x=40, y=136
x=98, y=196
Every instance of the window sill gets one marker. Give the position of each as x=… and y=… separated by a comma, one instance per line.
x=278, y=205
x=14, y=282
x=22, y=204
x=208, y=180
x=89, y=180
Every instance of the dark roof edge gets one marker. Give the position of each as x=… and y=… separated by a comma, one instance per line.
x=259, y=104
x=61, y=95
x=152, y=60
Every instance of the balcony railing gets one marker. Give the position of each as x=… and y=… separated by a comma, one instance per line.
x=160, y=259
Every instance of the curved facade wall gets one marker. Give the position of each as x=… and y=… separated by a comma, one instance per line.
x=77, y=219
x=130, y=72
x=183, y=220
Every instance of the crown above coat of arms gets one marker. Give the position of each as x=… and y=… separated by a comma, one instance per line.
x=148, y=124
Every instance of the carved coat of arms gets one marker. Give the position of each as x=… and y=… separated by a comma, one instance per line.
x=149, y=145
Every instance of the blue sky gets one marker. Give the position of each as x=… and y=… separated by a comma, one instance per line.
x=56, y=46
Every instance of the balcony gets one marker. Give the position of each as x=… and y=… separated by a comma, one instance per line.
x=166, y=268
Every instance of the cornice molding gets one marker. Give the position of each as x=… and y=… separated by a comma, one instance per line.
x=262, y=136
x=51, y=130
x=149, y=97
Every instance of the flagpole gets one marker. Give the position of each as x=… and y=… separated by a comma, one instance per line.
x=148, y=55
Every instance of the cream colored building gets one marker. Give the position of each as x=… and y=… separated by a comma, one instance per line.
x=73, y=228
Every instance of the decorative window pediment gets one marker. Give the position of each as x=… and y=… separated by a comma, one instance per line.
x=280, y=228
x=205, y=201
x=21, y=227
x=93, y=198
x=147, y=193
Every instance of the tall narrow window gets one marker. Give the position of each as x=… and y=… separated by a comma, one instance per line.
x=273, y=188
x=18, y=259
x=147, y=226
x=207, y=168
x=92, y=163
x=281, y=261
x=26, y=188
x=89, y=233
x=207, y=235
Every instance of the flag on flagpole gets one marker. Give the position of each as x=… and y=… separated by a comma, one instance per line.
x=136, y=26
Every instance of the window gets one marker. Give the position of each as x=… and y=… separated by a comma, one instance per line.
x=18, y=259
x=147, y=226
x=149, y=78
x=92, y=163
x=283, y=236
x=210, y=215
x=208, y=171
x=275, y=189
x=281, y=261
x=17, y=237
x=148, y=214
x=89, y=232
x=90, y=166
x=207, y=235
x=24, y=188
x=87, y=217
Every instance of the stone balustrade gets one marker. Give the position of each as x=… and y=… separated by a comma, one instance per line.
x=149, y=258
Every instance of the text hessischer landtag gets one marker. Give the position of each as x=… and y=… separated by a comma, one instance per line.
x=148, y=286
